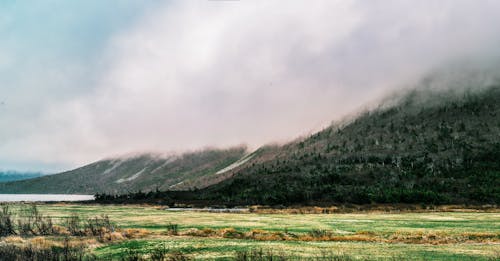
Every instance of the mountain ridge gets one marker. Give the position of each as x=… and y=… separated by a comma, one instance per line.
x=411, y=153
x=120, y=175
x=427, y=146
x=11, y=175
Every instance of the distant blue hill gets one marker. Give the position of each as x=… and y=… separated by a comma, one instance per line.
x=15, y=175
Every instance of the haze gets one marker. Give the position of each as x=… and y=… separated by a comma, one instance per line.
x=85, y=80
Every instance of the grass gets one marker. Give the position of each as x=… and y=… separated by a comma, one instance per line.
x=421, y=236
x=156, y=218
x=224, y=248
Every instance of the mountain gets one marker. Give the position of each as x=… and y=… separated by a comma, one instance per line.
x=427, y=147
x=16, y=175
x=145, y=172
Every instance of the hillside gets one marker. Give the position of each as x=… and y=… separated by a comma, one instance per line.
x=6, y=176
x=428, y=147
x=144, y=172
x=423, y=147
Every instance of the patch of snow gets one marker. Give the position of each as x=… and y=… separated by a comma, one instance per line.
x=116, y=164
x=131, y=177
x=168, y=161
x=235, y=164
x=177, y=184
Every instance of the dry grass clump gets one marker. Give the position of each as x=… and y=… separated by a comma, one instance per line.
x=29, y=222
x=325, y=235
x=208, y=232
x=321, y=235
x=60, y=230
x=412, y=237
x=264, y=235
x=42, y=242
x=417, y=237
x=481, y=236
x=205, y=232
x=355, y=238
x=383, y=208
x=112, y=236
x=258, y=234
x=299, y=210
x=13, y=240
x=230, y=233
x=366, y=233
x=132, y=233
x=360, y=236
x=194, y=232
x=73, y=242
x=40, y=249
x=255, y=234
x=437, y=238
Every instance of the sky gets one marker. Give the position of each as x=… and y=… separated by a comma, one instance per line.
x=85, y=80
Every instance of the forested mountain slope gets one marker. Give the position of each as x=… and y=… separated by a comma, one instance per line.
x=426, y=147
x=431, y=147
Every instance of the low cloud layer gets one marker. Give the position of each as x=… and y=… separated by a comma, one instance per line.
x=190, y=74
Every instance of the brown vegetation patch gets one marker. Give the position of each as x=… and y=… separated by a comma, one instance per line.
x=435, y=238
x=132, y=233
x=375, y=208
x=415, y=237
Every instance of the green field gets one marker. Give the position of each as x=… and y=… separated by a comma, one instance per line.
x=421, y=236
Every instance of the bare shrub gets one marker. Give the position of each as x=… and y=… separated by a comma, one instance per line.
x=173, y=229
x=6, y=222
x=34, y=252
x=33, y=223
x=96, y=225
x=74, y=225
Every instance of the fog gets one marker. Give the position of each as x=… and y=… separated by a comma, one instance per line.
x=191, y=74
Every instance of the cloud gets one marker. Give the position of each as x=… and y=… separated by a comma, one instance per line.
x=191, y=74
x=50, y=54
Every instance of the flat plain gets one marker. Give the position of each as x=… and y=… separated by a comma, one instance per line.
x=457, y=235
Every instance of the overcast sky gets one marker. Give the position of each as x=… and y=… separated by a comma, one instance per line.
x=84, y=80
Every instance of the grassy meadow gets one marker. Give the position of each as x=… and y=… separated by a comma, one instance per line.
x=457, y=235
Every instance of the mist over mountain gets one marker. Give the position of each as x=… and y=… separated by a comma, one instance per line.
x=434, y=143
x=131, y=173
x=355, y=101
x=182, y=75
x=437, y=146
